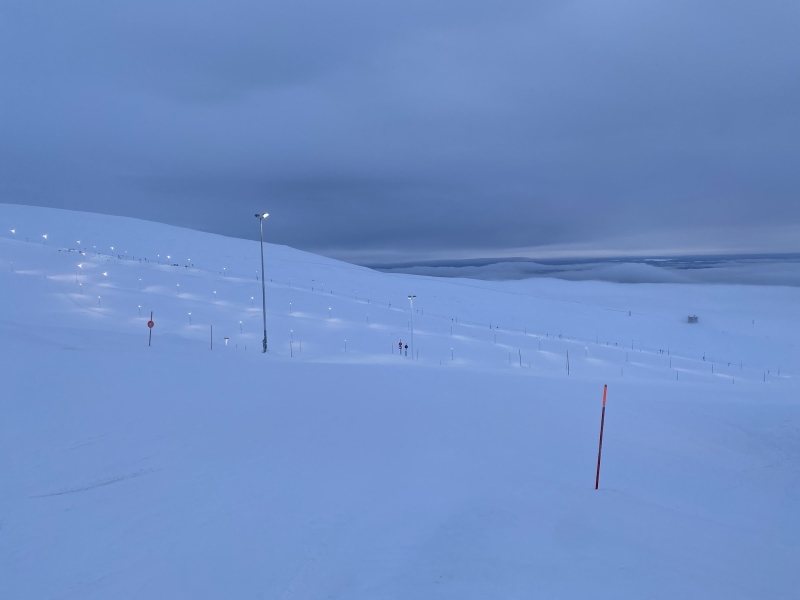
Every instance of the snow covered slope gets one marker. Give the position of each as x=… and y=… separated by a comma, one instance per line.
x=333, y=467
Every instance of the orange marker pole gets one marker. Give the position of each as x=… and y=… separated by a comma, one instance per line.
x=600, y=448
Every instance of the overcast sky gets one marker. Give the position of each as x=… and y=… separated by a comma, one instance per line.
x=414, y=129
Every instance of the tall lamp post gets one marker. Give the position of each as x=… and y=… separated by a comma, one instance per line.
x=411, y=299
x=261, y=217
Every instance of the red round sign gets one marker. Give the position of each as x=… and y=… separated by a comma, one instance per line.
x=150, y=324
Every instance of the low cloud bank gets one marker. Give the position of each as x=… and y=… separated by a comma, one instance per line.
x=745, y=271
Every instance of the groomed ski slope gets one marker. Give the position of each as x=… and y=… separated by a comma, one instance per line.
x=178, y=471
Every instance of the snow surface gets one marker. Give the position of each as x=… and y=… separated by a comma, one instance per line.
x=178, y=471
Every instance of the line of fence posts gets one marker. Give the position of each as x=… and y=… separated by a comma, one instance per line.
x=211, y=346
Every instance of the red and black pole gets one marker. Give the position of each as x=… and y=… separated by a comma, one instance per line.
x=600, y=448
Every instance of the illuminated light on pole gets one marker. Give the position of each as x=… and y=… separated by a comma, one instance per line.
x=98, y=302
x=240, y=327
x=252, y=305
x=290, y=308
x=140, y=310
x=223, y=271
x=177, y=288
x=190, y=318
x=261, y=217
x=329, y=312
x=45, y=239
x=80, y=287
x=14, y=232
x=140, y=283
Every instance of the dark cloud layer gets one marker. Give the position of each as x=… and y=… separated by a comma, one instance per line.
x=411, y=128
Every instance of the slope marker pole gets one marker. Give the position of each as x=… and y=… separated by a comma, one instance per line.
x=600, y=447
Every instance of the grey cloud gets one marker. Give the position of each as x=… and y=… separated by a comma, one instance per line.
x=407, y=127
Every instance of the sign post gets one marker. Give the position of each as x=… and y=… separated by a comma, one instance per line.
x=150, y=325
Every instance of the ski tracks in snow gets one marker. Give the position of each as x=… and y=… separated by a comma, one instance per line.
x=97, y=483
